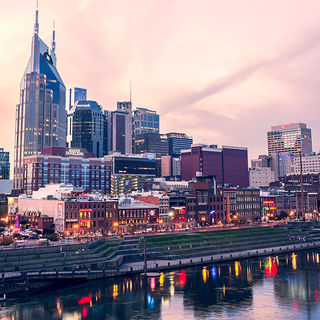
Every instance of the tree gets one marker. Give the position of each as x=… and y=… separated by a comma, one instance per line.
x=52, y=237
x=6, y=241
x=283, y=215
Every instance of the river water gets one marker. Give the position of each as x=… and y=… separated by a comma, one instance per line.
x=275, y=287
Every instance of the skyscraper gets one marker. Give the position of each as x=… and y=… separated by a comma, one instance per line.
x=290, y=138
x=178, y=142
x=40, y=114
x=77, y=94
x=122, y=128
x=87, y=127
x=145, y=121
x=151, y=143
x=228, y=164
x=4, y=164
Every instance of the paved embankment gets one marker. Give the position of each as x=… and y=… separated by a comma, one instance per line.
x=161, y=265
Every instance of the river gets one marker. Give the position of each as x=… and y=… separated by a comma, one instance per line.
x=275, y=287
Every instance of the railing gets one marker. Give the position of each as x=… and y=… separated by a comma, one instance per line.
x=157, y=265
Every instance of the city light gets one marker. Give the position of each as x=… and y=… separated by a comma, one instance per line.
x=294, y=261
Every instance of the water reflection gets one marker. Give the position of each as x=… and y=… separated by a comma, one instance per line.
x=227, y=290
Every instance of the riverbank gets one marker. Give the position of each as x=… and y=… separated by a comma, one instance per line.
x=107, y=259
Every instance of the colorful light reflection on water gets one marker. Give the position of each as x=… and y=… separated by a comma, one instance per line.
x=285, y=285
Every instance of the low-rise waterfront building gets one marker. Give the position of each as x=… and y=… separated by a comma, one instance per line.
x=248, y=204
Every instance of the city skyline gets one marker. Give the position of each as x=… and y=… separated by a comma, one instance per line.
x=174, y=67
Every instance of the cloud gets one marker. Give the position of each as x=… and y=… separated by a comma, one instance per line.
x=188, y=98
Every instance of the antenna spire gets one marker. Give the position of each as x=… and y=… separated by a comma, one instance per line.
x=36, y=25
x=130, y=92
x=53, y=45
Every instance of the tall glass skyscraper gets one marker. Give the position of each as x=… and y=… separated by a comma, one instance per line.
x=77, y=94
x=145, y=121
x=4, y=164
x=40, y=114
x=122, y=128
x=177, y=142
x=87, y=128
x=290, y=138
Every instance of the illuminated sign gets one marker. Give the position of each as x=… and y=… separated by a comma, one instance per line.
x=182, y=211
x=273, y=208
x=74, y=152
x=85, y=300
x=177, y=135
x=152, y=212
x=85, y=210
x=83, y=105
x=268, y=201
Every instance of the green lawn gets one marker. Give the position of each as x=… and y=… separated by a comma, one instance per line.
x=213, y=236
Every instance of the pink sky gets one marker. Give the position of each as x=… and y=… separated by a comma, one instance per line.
x=223, y=72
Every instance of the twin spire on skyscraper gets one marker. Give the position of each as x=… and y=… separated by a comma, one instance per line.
x=35, y=51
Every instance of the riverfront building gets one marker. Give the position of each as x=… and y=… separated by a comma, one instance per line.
x=40, y=114
x=159, y=199
x=248, y=204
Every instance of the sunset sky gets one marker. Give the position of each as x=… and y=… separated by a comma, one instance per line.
x=223, y=72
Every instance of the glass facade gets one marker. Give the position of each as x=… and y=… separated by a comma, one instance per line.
x=91, y=174
x=87, y=128
x=122, y=128
x=145, y=121
x=136, y=166
x=40, y=114
x=79, y=94
x=290, y=138
x=178, y=142
x=4, y=164
x=151, y=143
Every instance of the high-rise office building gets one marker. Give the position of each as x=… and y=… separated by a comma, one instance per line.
x=130, y=172
x=177, y=142
x=80, y=94
x=122, y=128
x=228, y=164
x=145, y=121
x=77, y=94
x=151, y=142
x=290, y=138
x=87, y=128
x=40, y=114
x=4, y=165
x=108, y=132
